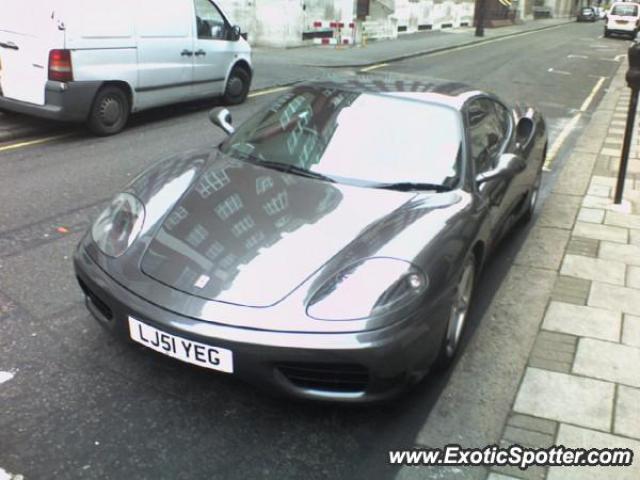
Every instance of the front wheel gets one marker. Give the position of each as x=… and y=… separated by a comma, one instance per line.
x=237, y=87
x=110, y=111
x=457, y=315
x=606, y=32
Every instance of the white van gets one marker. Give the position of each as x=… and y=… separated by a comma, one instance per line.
x=624, y=18
x=96, y=61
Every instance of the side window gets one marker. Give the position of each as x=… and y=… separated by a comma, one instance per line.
x=488, y=127
x=209, y=21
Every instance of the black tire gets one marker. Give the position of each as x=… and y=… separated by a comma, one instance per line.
x=450, y=345
x=532, y=199
x=237, y=87
x=606, y=32
x=109, y=112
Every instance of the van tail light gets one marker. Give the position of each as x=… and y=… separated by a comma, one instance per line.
x=60, y=68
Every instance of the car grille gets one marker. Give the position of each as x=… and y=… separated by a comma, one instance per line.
x=332, y=377
x=102, y=307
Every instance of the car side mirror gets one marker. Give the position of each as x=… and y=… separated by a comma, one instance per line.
x=222, y=118
x=508, y=165
x=235, y=33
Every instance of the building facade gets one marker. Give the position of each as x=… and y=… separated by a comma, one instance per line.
x=289, y=23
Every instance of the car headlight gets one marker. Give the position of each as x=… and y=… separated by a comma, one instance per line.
x=367, y=288
x=118, y=225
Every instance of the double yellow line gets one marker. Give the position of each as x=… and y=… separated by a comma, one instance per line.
x=39, y=141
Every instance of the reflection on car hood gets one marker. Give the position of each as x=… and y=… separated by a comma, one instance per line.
x=249, y=235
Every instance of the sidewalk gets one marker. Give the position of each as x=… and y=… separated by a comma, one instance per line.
x=277, y=67
x=581, y=386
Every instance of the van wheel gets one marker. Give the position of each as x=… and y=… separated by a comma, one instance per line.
x=606, y=32
x=110, y=111
x=237, y=87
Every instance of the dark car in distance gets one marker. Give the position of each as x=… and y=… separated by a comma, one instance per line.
x=587, y=14
x=329, y=247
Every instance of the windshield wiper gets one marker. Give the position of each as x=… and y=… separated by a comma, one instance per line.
x=283, y=167
x=413, y=186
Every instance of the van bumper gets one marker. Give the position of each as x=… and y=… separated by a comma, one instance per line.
x=64, y=101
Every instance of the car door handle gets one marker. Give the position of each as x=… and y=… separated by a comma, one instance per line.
x=186, y=53
x=200, y=52
x=10, y=45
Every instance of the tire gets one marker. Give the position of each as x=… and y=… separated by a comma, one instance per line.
x=532, y=199
x=606, y=32
x=237, y=87
x=109, y=112
x=459, y=311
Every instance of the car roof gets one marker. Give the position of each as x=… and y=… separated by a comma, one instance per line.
x=428, y=90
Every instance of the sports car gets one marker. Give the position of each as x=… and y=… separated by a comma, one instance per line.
x=329, y=247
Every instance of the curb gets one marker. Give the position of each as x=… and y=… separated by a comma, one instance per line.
x=437, y=50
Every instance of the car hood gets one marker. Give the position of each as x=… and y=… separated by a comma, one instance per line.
x=249, y=235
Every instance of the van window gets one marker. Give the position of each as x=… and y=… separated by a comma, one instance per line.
x=625, y=10
x=209, y=21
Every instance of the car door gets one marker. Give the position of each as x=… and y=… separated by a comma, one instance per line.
x=165, y=46
x=213, y=52
x=489, y=129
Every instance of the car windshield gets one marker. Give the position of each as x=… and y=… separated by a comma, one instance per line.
x=625, y=10
x=353, y=137
x=587, y=10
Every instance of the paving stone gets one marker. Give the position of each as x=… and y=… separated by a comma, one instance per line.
x=565, y=398
x=609, y=271
x=627, y=414
x=576, y=437
x=593, y=201
x=633, y=277
x=614, y=297
x=583, y=246
x=591, y=215
x=545, y=337
x=571, y=290
x=609, y=361
x=532, y=473
x=629, y=254
x=601, y=232
x=616, y=130
x=631, y=330
x=622, y=219
x=613, y=152
x=634, y=237
x=499, y=476
x=599, y=190
x=575, y=176
x=583, y=321
x=527, y=437
x=544, y=248
x=609, y=181
x=547, y=364
x=535, y=424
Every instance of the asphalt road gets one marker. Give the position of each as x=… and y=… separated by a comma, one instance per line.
x=79, y=405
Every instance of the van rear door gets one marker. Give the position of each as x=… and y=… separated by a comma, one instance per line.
x=28, y=31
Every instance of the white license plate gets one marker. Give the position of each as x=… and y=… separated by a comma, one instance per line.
x=196, y=353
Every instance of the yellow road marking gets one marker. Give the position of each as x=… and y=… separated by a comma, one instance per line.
x=373, y=67
x=29, y=143
x=267, y=92
x=555, y=148
x=589, y=99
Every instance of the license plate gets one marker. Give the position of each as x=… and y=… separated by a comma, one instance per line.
x=188, y=351
x=622, y=22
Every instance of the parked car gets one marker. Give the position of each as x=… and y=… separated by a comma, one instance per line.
x=587, y=14
x=622, y=18
x=96, y=62
x=330, y=246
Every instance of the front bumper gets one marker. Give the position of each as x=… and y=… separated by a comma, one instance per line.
x=69, y=102
x=359, y=367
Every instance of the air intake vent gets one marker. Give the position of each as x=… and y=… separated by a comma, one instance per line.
x=99, y=304
x=333, y=377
